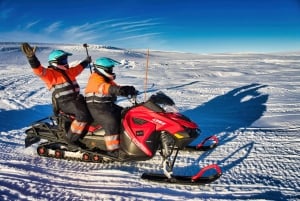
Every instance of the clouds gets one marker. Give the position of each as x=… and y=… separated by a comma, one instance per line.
x=76, y=23
x=130, y=31
x=6, y=10
x=53, y=27
x=5, y=13
x=31, y=24
x=196, y=26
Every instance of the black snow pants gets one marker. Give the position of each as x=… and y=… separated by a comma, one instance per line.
x=108, y=115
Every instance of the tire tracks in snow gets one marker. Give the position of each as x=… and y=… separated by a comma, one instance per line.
x=14, y=91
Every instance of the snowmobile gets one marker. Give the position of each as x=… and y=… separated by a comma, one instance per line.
x=148, y=127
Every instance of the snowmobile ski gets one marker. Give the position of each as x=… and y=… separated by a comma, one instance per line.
x=197, y=179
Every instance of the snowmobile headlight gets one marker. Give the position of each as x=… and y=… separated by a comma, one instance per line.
x=182, y=134
x=182, y=139
x=178, y=135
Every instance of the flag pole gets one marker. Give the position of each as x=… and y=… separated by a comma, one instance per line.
x=146, y=77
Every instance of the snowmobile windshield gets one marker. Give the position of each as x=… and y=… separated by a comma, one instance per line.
x=164, y=101
x=169, y=108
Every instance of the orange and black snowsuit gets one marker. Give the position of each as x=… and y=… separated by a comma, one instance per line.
x=101, y=94
x=65, y=93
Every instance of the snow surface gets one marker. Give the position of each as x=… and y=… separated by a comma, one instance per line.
x=250, y=101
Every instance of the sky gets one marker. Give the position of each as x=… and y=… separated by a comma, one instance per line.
x=200, y=26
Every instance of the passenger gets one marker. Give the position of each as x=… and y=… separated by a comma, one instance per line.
x=60, y=79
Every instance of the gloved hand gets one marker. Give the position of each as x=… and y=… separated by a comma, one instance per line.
x=28, y=50
x=86, y=62
x=88, y=59
x=30, y=54
x=127, y=91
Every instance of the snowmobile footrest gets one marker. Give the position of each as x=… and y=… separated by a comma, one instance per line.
x=202, y=146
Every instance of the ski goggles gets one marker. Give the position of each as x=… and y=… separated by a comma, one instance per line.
x=63, y=61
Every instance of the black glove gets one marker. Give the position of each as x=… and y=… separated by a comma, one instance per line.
x=30, y=54
x=86, y=62
x=88, y=59
x=28, y=50
x=127, y=91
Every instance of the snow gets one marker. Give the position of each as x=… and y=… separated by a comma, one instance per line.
x=250, y=101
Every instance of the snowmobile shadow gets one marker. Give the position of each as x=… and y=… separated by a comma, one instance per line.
x=244, y=151
x=238, y=108
x=225, y=114
x=16, y=119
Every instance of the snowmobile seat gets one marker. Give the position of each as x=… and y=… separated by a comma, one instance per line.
x=95, y=130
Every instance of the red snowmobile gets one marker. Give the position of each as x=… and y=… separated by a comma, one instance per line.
x=147, y=127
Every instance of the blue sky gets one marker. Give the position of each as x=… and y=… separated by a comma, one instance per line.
x=201, y=26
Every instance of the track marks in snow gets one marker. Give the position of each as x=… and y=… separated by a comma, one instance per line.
x=15, y=93
x=258, y=160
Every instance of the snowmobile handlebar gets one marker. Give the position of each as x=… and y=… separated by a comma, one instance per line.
x=132, y=98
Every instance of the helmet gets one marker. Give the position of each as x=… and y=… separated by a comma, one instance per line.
x=104, y=66
x=59, y=59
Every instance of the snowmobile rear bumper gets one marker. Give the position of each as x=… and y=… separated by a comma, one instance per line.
x=30, y=140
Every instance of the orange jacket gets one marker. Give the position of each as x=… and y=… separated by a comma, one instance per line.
x=97, y=87
x=53, y=77
x=61, y=89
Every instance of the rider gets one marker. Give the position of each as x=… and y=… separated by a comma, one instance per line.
x=101, y=93
x=61, y=81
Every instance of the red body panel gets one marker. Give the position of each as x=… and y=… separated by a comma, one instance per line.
x=140, y=122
